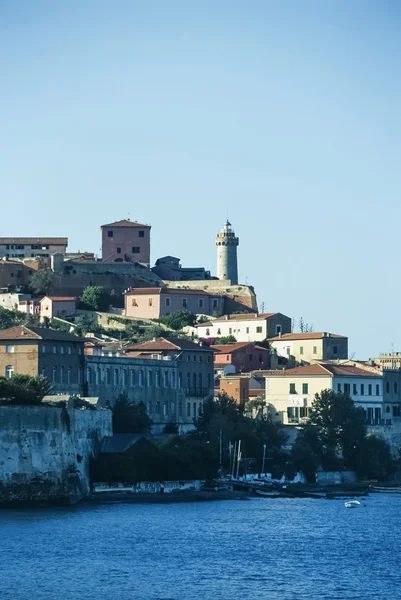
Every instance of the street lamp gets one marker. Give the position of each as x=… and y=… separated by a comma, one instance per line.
x=264, y=456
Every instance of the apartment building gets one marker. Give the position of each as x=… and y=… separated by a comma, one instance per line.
x=30, y=247
x=154, y=303
x=252, y=327
x=243, y=356
x=126, y=241
x=305, y=348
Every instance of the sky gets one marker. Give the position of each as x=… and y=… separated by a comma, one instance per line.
x=282, y=115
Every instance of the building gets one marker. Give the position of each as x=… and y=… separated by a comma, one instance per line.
x=237, y=298
x=246, y=327
x=57, y=306
x=22, y=247
x=243, y=356
x=392, y=395
x=57, y=355
x=388, y=360
x=304, y=348
x=126, y=241
x=154, y=303
x=14, y=274
x=292, y=391
x=169, y=268
x=227, y=262
x=236, y=387
x=171, y=376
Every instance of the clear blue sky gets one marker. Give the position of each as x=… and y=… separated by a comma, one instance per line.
x=284, y=113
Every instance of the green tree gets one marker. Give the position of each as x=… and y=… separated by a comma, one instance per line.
x=306, y=453
x=10, y=318
x=179, y=319
x=24, y=389
x=41, y=282
x=373, y=459
x=170, y=428
x=94, y=297
x=226, y=339
x=129, y=417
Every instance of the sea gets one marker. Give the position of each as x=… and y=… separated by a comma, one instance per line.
x=272, y=549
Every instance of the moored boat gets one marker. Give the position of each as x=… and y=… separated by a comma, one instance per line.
x=352, y=504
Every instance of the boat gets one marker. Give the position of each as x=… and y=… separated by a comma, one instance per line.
x=272, y=494
x=352, y=504
x=385, y=490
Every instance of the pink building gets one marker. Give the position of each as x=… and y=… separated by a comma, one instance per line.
x=153, y=303
x=57, y=306
x=126, y=241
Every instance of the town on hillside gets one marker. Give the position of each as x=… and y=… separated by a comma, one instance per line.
x=167, y=345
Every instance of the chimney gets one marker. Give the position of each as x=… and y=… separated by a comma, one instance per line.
x=227, y=317
x=279, y=334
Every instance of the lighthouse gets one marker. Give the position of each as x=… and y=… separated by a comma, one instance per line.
x=227, y=264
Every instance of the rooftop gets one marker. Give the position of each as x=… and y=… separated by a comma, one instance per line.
x=228, y=348
x=244, y=317
x=32, y=240
x=167, y=344
x=165, y=290
x=23, y=332
x=323, y=370
x=312, y=335
x=125, y=223
x=60, y=298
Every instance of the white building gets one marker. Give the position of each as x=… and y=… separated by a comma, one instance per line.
x=291, y=392
x=314, y=346
x=251, y=327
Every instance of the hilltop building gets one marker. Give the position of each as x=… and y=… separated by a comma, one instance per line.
x=31, y=247
x=126, y=241
x=227, y=263
x=154, y=303
x=243, y=356
x=246, y=327
x=314, y=346
x=169, y=268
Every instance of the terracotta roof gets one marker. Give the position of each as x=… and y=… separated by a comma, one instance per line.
x=126, y=223
x=167, y=344
x=164, y=290
x=245, y=317
x=313, y=335
x=228, y=348
x=59, y=298
x=37, y=333
x=323, y=370
x=32, y=240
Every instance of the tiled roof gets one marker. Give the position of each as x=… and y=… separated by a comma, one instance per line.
x=32, y=240
x=167, y=344
x=59, y=298
x=323, y=370
x=165, y=290
x=244, y=317
x=313, y=335
x=125, y=223
x=37, y=333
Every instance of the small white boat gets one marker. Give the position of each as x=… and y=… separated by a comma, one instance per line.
x=352, y=504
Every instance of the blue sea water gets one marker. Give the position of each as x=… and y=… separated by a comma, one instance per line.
x=275, y=549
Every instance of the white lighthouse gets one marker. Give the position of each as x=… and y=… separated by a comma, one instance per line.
x=227, y=264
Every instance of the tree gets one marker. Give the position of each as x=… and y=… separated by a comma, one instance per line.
x=170, y=428
x=304, y=327
x=41, y=282
x=10, y=318
x=94, y=297
x=307, y=451
x=226, y=339
x=373, y=459
x=179, y=319
x=24, y=389
x=129, y=417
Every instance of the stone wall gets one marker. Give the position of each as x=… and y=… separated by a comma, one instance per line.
x=237, y=297
x=390, y=433
x=45, y=452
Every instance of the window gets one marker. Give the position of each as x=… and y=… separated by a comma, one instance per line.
x=314, y=349
x=133, y=378
x=292, y=388
x=150, y=378
x=288, y=351
x=207, y=331
x=157, y=378
x=69, y=349
x=338, y=387
x=395, y=387
x=43, y=349
x=219, y=331
x=165, y=378
x=10, y=349
x=180, y=380
x=347, y=388
x=115, y=379
x=278, y=329
x=194, y=410
x=54, y=349
x=335, y=350
x=97, y=376
x=173, y=379
x=136, y=250
x=125, y=377
x=149, y=407
x=141, y=233
x=301, y=350
x=69, y=375
x=61, y=349
x=214, y=303
x=134, y=302
x=200, y=382
x=110, y=233
x=396, y=410
x=167, y=301
x=354, y=389
x=9, y=371
x=362, y=389
x=118, y=250
x=141, y=378
x=247, y=330
x=377, y=390
x=194, y=358
x=150, y=301
x=370, y=389
x=54, y=374
x=293, y=413
x=61, y=374
x=158, y=408
x=188, y=409
x=259, y=329
x=387, y=387
x=305, y=387
x=165, y=409
x=230, y=330
x=200, y=302
x=184, y=303
x=388, y=408
x=154, y=356
x=108, y=377
x=303, y=412
x=180, y=409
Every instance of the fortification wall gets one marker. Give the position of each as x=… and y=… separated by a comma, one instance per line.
x=45, y=452
x=238, y=297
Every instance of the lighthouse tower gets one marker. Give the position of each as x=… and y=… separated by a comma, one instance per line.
x=226, y=242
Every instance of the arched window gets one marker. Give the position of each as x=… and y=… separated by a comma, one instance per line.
x=149, y=407
x=165, y=409
x=194, y=410
x=150, y=378
x=125, y=377
x=54, y=374
x=194, y=382
x=180, y=380
x=115, y=379
x=387, y=387
x=173, y=379
x=97, y=376
x=189, y=382
x=387, y=409
x=200, y=383
x=165, y=378
x=158, y=408
x=141, y=378
x=172, y=408
x=188, y=409
x=61, y=374
x=89, y=374
x=108, y=376
x=69, y=375
x=180, y=409
x=43, y=372
x=133, y=378
x=157, y=378
x=395, y=387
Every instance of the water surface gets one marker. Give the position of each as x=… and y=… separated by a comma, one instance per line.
x=279, y=549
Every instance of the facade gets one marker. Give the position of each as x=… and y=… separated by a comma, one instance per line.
x=31, y=247
x=14, y=274
x=57, y=306
x=246, y=327
x=306, y=348
x=171, y=376
x=237, y=298
x=392, y=395
x=291, y=392
x=236, y=387
x=227, y=262
x=243, y=356
x=153, y=303
x=126, y=241
x=169, y=268
x=57, y=355
x=13, y=300
x=388, y=360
